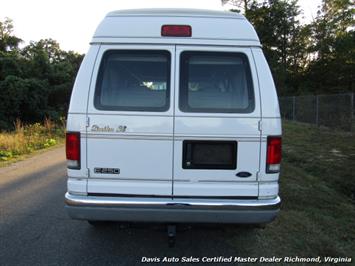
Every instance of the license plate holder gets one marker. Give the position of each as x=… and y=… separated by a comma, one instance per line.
x=209, y=154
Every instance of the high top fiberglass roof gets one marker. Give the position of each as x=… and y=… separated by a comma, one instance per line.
x=144, y=26
x=185, y=12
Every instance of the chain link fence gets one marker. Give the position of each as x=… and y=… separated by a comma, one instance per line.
x=333, y=111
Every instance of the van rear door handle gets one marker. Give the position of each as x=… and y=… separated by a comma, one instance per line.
x=243, y=174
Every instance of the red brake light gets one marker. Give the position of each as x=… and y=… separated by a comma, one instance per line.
x=73, y=149
x=273, y=154
x=176, y=30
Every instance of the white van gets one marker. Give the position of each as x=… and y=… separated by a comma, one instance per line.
x=174, y=118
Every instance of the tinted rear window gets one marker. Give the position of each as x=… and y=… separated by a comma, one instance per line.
x=215, y=83
x=133, y=81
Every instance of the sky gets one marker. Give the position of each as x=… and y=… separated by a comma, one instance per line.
x=73, y=22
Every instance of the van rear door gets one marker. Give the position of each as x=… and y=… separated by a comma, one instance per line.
x=216, y=126
x=130, y=121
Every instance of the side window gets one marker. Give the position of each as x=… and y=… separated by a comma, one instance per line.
x=215, y=82
x=131, y=80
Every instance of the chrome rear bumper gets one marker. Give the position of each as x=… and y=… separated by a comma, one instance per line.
x=171, y=210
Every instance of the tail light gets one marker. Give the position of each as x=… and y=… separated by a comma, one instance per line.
x=273, y=154
x=176, y=30
x=73, y=150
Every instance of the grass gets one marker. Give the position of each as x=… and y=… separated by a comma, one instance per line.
x=26, y=139
x=317, y=186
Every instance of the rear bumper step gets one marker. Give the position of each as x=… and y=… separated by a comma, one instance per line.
x=171, y=210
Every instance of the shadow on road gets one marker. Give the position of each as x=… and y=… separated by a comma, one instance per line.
x=113, y=241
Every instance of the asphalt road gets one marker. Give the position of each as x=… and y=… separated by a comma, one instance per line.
x=35, y=230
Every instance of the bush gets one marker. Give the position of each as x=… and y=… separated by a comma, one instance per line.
x=26, y=139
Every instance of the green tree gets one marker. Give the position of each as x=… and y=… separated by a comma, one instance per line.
x=9, y=54
x=7, y=40
x=333, y=49
x=241, y=5
x=282, y=37
x=47, y=61
x=62, y=79
x=35, y=81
